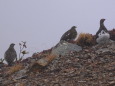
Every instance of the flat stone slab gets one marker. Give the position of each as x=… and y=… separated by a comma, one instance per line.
x=63, y=48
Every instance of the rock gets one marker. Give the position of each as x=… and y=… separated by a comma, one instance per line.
x=46, y=60
x=112, y=83
x=20, y=74
x=112, y=46
x=62, y=48
x=41, y=63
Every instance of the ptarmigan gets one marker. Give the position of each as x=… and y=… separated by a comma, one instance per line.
x=70, y=35
x=10, y=55
x=102, y=35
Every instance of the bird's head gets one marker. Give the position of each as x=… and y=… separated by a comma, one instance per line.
x=12, y=45
x=73, y=28
x=102, y=20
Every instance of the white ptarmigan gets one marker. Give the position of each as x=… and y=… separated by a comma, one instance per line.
x=102, y=35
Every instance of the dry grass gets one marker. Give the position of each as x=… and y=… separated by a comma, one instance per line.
x=15, y=68
x=85, y=39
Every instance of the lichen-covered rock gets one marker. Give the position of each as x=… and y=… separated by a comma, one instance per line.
x=62, y=48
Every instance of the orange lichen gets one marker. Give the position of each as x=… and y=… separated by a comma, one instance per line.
x=15, y=68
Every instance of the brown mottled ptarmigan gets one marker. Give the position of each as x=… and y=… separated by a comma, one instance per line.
x=70, y=35
x=10, y=54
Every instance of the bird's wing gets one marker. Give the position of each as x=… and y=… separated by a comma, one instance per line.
x=64, y=36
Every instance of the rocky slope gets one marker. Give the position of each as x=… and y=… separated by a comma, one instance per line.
x=91, y=66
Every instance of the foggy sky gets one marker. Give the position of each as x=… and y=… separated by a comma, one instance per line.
x=41, y=23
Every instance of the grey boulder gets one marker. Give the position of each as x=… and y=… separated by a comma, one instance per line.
x=63, y=47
